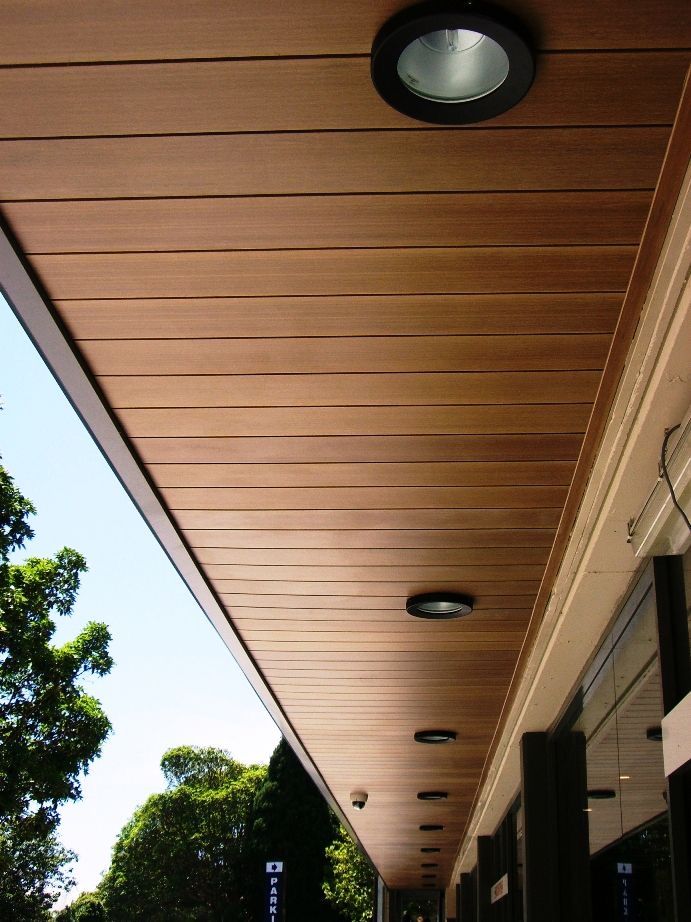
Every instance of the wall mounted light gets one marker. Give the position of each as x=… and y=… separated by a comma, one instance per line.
x=439, y=606
x=435, y=736
x=452, y=63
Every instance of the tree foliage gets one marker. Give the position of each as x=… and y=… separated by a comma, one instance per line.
x=33, y=867
x=294, y=824
x=349, y=886
x=50, y=728
x=184, y=854
x=88, y=907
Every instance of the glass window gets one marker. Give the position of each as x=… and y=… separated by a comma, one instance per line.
x=627, y=810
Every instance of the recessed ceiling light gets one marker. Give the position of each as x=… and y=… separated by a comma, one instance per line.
x=432, y=795
x=428, y=876
x=427, y=849
x=452, y=63
x=439, y=606
x=654, y=734
x=431, y=827
x=435, y=736
x=429, y=864
x=601, y=794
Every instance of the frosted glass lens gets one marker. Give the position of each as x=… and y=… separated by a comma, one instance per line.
x=453, y=65
x=433, y=607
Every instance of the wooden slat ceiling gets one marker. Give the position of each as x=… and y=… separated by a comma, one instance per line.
x=356, y=354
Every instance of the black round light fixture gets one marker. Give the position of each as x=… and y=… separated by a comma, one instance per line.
x=429, y=864
x=654, y=734
x=439, y=606
x=601, y=794
x=432, y=795
x=428, y=876
x=452, y=63
x=431, y=827
x=435, y=736
x=428, y=849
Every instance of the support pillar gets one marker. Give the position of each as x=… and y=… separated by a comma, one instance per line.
x=484, y=878
x=556, y=873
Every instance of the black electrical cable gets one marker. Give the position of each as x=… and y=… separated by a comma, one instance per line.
x=665, y=473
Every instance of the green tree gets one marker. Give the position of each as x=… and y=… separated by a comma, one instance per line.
x=349, y=886
x=184, y=854
x=88, y=907
x=50, y=728
x=293, y=823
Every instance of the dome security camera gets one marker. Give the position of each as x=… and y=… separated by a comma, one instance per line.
x=358, y=799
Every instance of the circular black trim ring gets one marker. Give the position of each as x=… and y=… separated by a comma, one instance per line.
x=427, y=737
x=601, y=794
x=464, y=602
x=403, y=28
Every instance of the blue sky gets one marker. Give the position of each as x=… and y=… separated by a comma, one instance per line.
x=174, y=681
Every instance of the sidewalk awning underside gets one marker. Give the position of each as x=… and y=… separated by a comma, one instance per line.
x=355, y=354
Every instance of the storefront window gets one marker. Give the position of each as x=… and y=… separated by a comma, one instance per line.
x=620, y=717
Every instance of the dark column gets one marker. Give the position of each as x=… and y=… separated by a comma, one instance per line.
x=484, y=878
x=675, y=673
x=539, y=800
x=466, y=910
x=572, y=828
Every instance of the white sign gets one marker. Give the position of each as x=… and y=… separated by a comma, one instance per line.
x=500, y=889
x=676, y=736
x=624, y=869
x=273, y=866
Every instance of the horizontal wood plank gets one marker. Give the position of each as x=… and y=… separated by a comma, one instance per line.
x=510, y=640
x=538, y=446
x=322, y=355
x=367, y=518
x=481, y=573
x=333, y=162
x=398, y=315
x=116, y=30
x=424, y=658
x=194, y=97
x=346, y=603
x=264, y=273
x=379, y=678
x=496, y=497
x=352, y=390
x=317, y=421
x=450, y=474
x=387, y=619
x=329, y=541
x=308, y=222
x=403, y=625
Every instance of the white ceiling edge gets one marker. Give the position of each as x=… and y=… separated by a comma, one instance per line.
x=599, y=563
x=24, y=295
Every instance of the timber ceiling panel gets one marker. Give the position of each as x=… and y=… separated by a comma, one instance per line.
x=356, y=355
